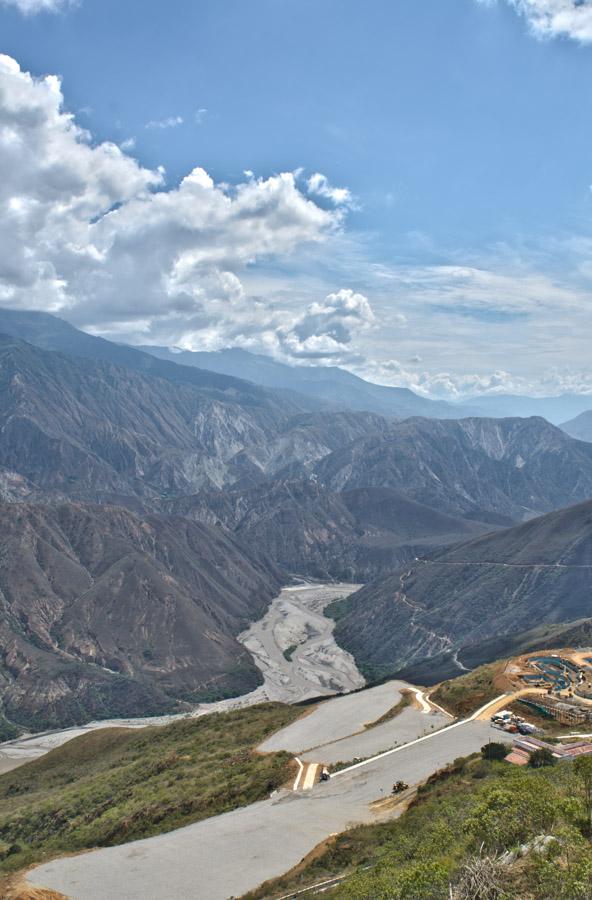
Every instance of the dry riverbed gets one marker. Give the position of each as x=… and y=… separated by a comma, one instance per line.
x=294, y=622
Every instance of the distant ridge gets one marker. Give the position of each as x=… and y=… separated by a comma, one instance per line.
x=473, y=595
x=327, y=383
x=580, y=427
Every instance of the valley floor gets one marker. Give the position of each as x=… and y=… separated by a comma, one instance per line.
x=295, y=620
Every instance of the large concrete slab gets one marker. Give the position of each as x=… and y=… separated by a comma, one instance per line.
x=228, y=855
x=336, y=718
x=408, y=725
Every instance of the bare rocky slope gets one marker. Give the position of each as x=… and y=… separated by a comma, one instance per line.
x=104, y=612
x=496, y=470
x=355, y=535
x=459, y=599
x=100, y=432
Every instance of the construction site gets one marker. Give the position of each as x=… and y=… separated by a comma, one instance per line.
x=554, y=685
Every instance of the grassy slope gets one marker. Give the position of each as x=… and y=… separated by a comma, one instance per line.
x=116, y=785
x=472, y=805
x=465, y=694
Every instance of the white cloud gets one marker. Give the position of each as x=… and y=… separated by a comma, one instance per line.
x=128, y=144
x=86, y=230
x=200, y=115
x=169, y=122
x=472, y=290
x=452, y=386
x=319, y=186
x=327, y=328
x=555, y=18
x=32, y=7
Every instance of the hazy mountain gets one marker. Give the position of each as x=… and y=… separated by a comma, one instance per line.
x=320, y=384
x=490, y=587
x=497, y=470
x=356, y=535
x=106, y=613
x=51, y=333
x=97, y=431
x=580, y=427
x=554, y=409
x=327, y=383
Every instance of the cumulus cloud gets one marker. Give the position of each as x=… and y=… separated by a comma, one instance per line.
x=319, y=186
x=453, y=386
x=328, y=327
x=86, y=230
x=32, y=7
x=556, y=18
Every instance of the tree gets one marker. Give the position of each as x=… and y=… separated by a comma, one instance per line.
x=495, y=750
x=541, y=757
x=583, y=771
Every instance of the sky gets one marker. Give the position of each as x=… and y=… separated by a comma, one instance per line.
x=399, y=188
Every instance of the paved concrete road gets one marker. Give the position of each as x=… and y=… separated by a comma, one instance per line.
x=228, y=855
x=408, y=725
x=337, y=718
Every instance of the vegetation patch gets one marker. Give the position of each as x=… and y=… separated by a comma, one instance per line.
x=339, y=608
x=289, y=652
x=406, y=700
x=116, y=784
x=463, y=695
x=8, y=731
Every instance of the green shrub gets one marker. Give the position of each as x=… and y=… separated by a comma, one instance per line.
x=495, y=750
x=541, y=757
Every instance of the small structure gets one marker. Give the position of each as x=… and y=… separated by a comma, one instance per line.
x=523, y=747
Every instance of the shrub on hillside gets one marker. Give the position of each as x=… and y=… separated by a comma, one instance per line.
x=541, y=757
x=495, y=750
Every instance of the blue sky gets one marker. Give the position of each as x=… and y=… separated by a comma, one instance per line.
x=460, y=131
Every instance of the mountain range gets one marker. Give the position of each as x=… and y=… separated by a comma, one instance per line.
x=554, y=409
x=344, y=389
x=149, y=509
x=351, y=536
x=331, y=385
x=98, y=431
x=494, y=470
